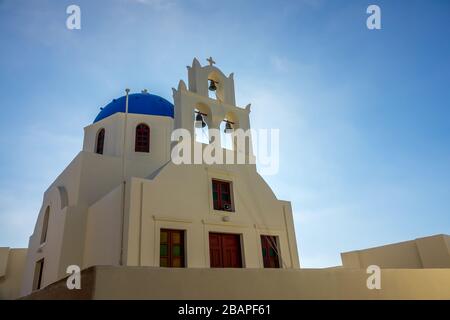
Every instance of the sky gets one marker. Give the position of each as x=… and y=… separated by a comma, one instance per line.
x=364, y=115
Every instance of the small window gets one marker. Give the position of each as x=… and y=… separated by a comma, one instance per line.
x=171, y=248
x=142, y=143
x=38, y=271
x=270, y=251
x=100, y=141
x=45, y=225
x=222, y=198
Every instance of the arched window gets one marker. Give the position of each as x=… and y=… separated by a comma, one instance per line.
x=63, y=197
x=100, y=141
x=142, y=143
x=45, y=225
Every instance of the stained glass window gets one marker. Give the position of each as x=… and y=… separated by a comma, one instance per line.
x=171, y=248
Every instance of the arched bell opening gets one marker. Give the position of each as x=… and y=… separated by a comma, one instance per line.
x=215, y=86
x=202, y=121
x=227, y=127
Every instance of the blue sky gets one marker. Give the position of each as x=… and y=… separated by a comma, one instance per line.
x=364, y=115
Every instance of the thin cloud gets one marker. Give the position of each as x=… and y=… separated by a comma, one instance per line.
x=281, y=64
x=157, y=4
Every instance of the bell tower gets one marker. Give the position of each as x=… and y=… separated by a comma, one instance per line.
x=195, y=99
x=202, y=78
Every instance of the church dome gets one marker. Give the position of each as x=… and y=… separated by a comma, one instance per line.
x=138, y=103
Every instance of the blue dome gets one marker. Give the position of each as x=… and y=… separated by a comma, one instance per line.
x=139, y=103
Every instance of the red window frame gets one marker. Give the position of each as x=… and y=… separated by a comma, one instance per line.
x=142, y=141
x=270, y=251
x=222, y=196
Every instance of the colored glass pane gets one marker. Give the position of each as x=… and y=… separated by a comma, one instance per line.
x=163, y=237
x=176, y=251
x=163, y=249
x=176, y=237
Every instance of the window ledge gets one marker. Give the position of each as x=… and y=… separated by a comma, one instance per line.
x=223, y=212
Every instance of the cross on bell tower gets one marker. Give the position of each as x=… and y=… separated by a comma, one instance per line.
x=211, y=61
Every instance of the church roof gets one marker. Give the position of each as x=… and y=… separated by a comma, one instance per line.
x=138, y=103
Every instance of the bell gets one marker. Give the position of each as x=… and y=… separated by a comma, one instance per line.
x=212, y=85
x=228, y=128
x=199, y=122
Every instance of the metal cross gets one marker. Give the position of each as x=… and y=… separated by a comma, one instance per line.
x=211, y=61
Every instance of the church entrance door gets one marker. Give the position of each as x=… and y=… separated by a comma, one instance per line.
x=225, y=250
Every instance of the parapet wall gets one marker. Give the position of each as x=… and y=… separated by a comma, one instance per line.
x=12, y=265
x=107, y=282
x=428, y=252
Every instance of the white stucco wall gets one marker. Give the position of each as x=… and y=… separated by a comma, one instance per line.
x=427, y=252
x=257, y=212
x=12, y=266
x=87, y=179
x=103, y=230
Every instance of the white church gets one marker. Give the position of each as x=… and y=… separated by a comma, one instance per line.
x=140, y=225
x=123, y=202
